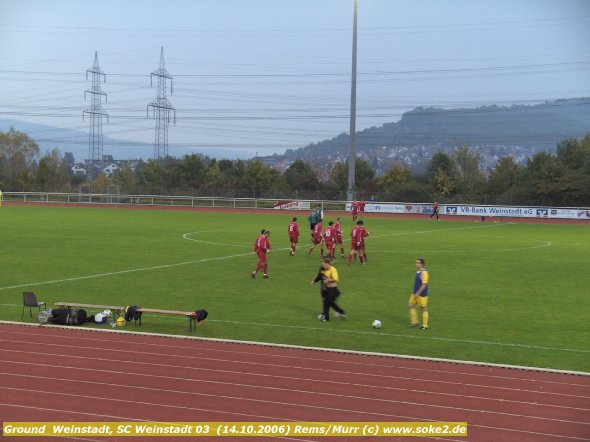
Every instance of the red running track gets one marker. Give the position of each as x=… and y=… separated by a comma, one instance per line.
x=72, y=374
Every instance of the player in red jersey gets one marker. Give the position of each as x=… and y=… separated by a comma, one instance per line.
x=293, y=231
x=330, y=239
x=338, y=230
x=261, y=247
x=361, y=208
x=316, y=238
x=355, y=244
x=363, y=235
x=354, y=207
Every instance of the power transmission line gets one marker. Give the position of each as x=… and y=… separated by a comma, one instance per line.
x=162, y=108
x=95, y=142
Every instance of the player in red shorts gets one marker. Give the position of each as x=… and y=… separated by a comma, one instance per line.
x=361, y=208
x=354, y=207
x=338, y=230
x=363, y=235
x=316, y=238
x=293, y=231
x=355, y=244
x=330, y=239
x=261, y=247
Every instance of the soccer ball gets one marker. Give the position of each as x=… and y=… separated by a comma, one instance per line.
x=376, y=323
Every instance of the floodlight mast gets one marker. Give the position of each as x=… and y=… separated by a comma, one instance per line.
x=162, y=109
x=352, y=149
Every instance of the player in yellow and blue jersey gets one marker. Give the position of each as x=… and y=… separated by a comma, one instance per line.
x=419, y=296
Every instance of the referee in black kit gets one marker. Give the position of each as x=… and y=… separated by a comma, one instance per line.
x=328, y=275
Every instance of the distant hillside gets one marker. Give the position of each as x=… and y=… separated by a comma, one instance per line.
x=76, y=141
x=541, y=126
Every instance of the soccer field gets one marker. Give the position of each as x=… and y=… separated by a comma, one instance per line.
x=502, y=293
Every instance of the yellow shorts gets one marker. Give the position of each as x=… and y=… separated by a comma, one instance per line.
x=422, y=301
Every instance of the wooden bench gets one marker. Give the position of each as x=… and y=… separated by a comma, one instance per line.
x=119, y=310
x=192, y=319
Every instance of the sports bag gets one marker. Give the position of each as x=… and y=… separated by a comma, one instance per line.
x=68, y=316
x=131, y=313
x=200, y=315
x=44, y=316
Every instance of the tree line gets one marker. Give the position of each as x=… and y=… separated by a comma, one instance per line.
x=560, y=179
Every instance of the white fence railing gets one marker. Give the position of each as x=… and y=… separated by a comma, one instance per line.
x=580, y=213
x=167, y=200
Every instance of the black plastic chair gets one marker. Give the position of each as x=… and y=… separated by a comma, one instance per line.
x=30, y=300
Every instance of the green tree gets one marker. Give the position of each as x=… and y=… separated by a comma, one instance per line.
x=258, y=178
x=502, y=179
x=442, y=161
x=125, y=179
x=216, y=182
x=470, y=181
x=52, y=174
x=152, y=177
x=300, y=176
x=18, y=154
x=191, y=171
x=444, y=184
x=392, y=178
x=574, y=154
x=442, y=173
x=542, y=173
x=363, y=175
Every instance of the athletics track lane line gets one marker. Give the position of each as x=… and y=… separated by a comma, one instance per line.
x=338, y=408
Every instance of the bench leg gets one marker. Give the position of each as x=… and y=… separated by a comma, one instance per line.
x=191, y=320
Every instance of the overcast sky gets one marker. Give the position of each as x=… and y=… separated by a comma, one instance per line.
x=266, y=75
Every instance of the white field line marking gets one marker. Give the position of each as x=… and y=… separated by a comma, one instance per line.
x=165, y=266
x=121, y=272
x=544, y=244
x=331, y=330
x=186, y=236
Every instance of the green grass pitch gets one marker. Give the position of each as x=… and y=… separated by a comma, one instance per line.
x=501, y=293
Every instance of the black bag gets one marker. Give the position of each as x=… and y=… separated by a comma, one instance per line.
x=68, y=316
x=78, y=317
x=200, y=315
x=131, y=313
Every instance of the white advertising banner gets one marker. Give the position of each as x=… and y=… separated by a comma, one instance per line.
x=386, y=208
x=470, y=210
x=292, y=205
x=569, y=213
x=513, y=211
